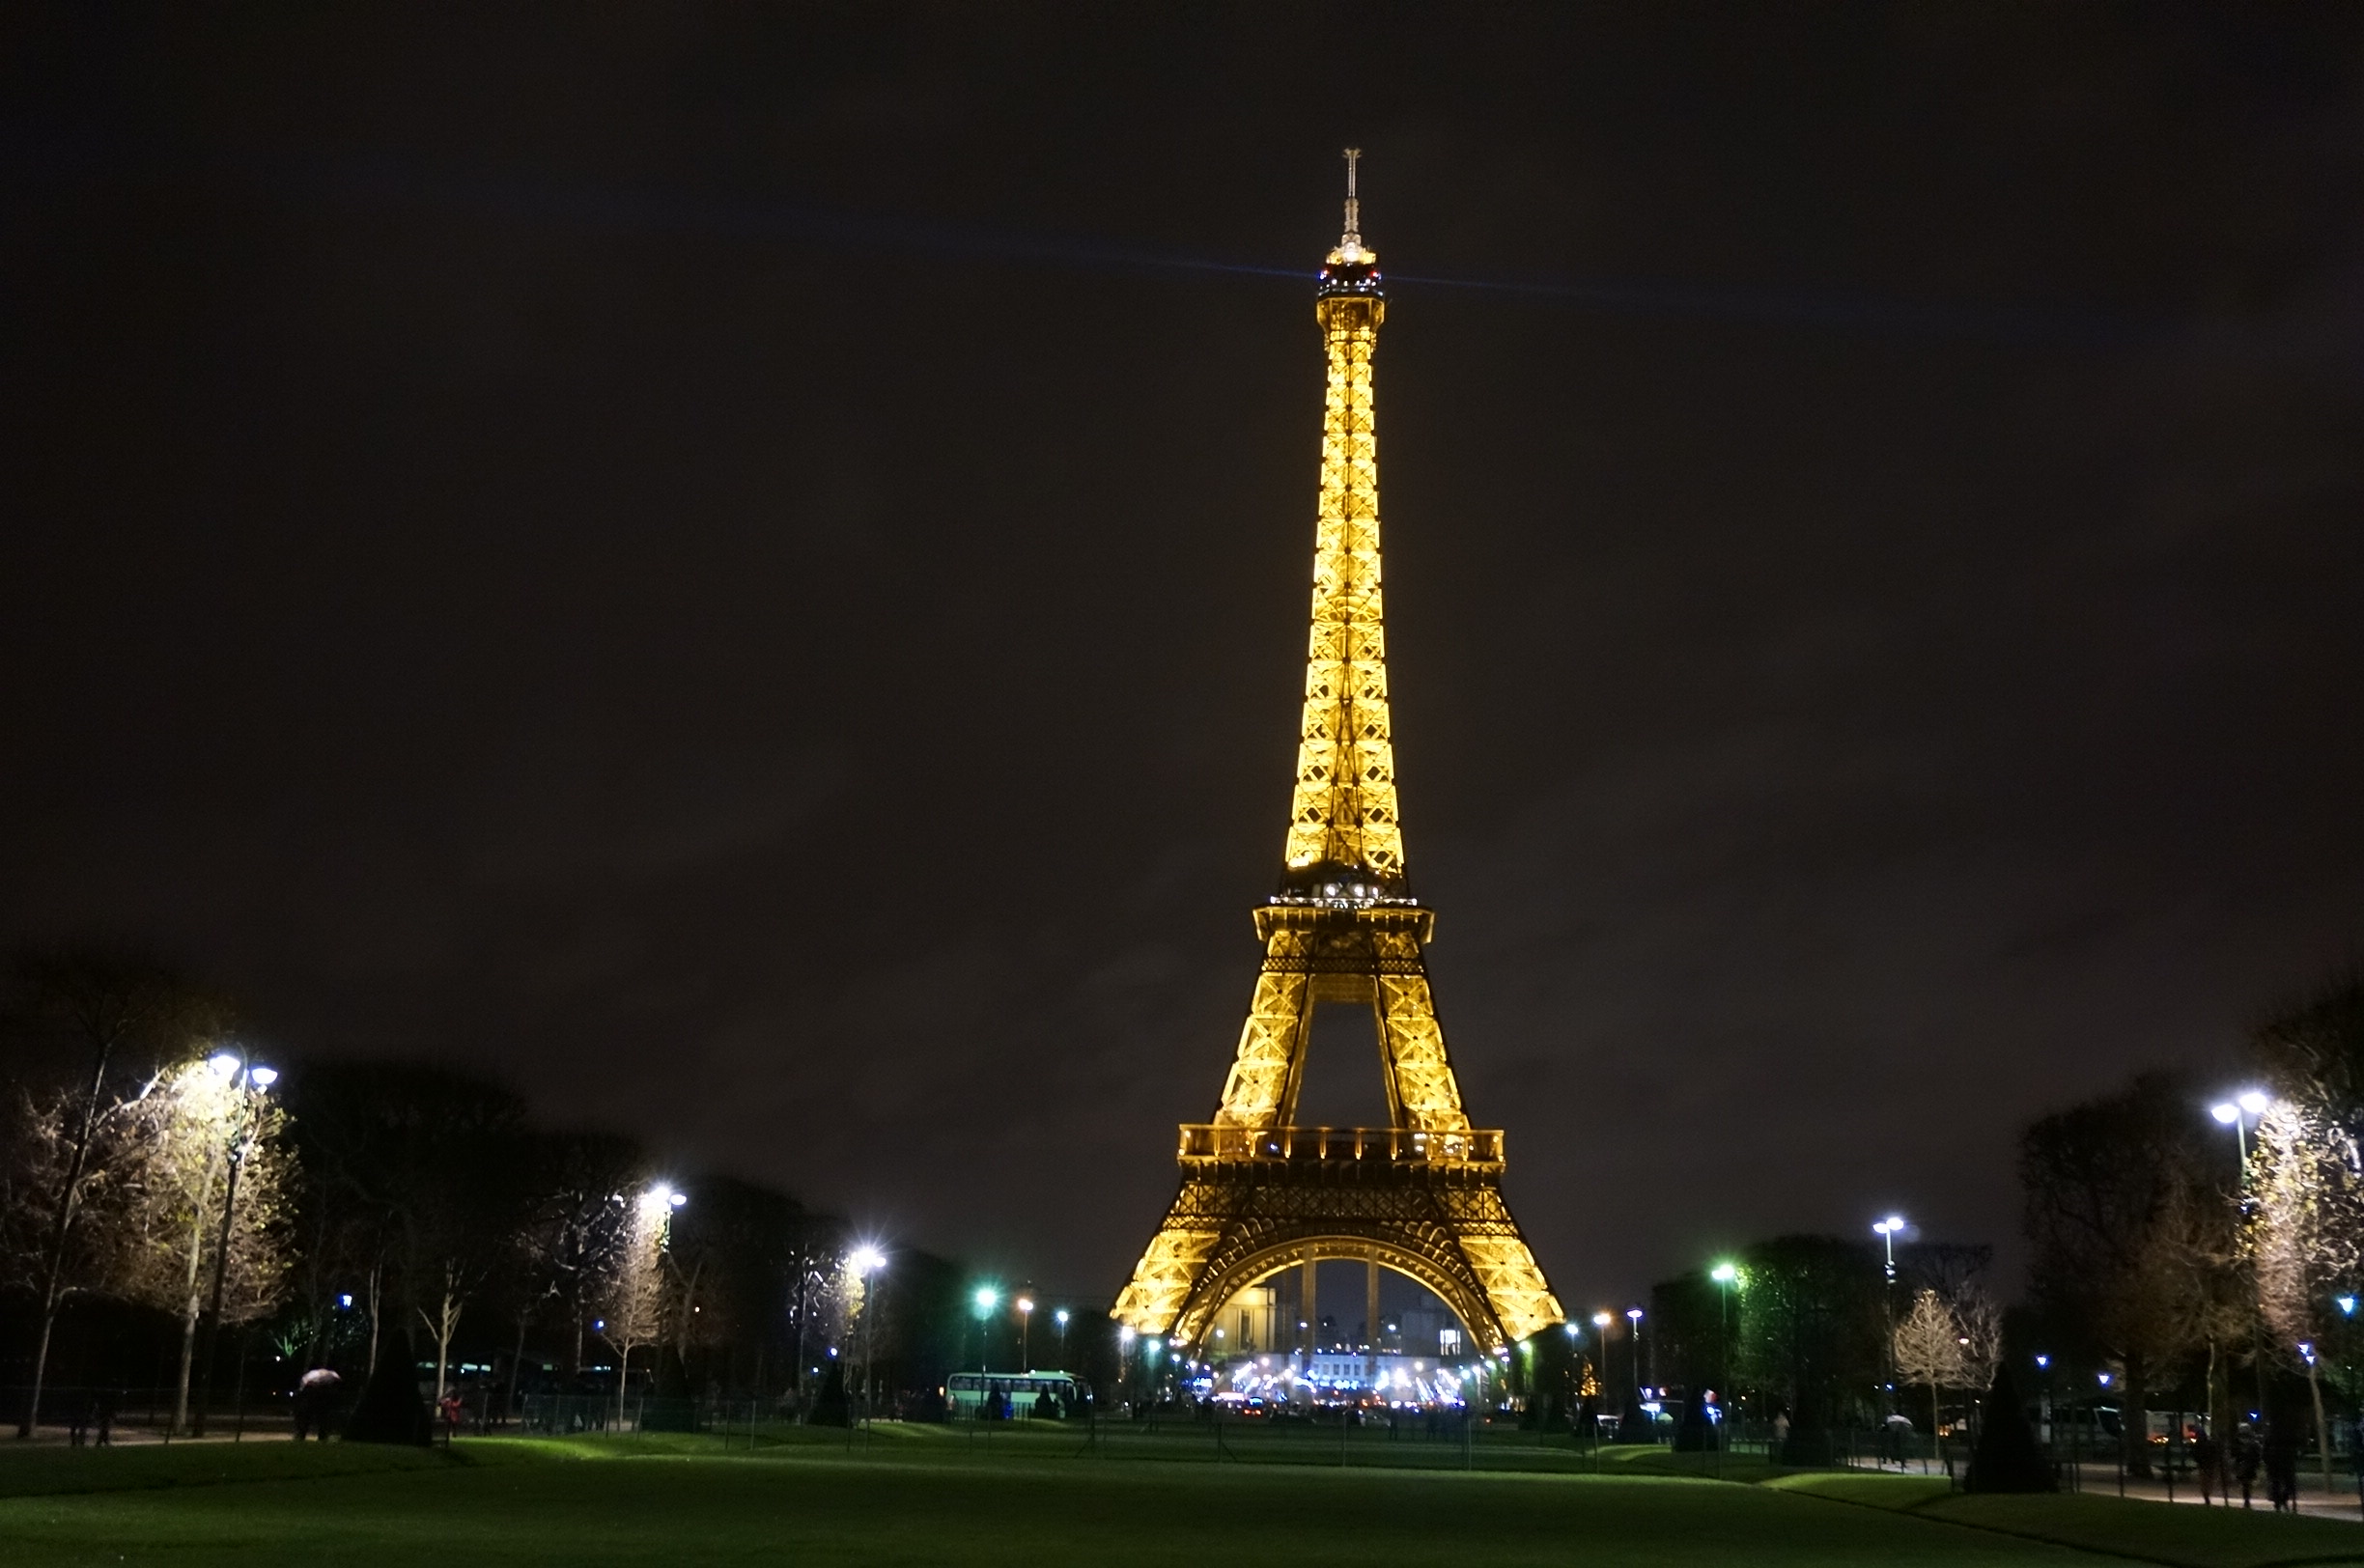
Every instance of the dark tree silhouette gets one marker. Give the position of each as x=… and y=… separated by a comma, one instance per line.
x=2007, y=1457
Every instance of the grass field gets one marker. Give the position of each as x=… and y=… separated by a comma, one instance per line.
x=929, y=1496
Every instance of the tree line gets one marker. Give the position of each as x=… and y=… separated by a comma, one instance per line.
x=2190, y=1248
x=162, y=1185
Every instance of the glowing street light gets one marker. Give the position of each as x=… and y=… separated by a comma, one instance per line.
x=247, y=1081
x=985, y=1300
x=1059, y=1317
x=1887, y=1230
x=2239, y=1113
x=1633, y=1315
x=1025, y=1334
x=866, y=1260
x=1725, y=1275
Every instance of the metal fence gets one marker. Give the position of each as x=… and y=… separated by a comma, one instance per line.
x=145, y=1412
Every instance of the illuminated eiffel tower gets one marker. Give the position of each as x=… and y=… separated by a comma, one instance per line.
x=1423, y=1195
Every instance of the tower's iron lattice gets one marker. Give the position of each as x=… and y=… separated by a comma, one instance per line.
x=1423, y=1195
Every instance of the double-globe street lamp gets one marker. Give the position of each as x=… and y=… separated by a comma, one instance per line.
x=1888, y=1230
x=245, y=1081
x=2240, y=1113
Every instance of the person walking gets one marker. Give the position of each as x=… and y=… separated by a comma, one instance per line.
x=2248, y=1455
x=2281, y=1467
x=2207, y=1465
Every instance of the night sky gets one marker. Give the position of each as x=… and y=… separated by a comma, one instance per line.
x=745, y=569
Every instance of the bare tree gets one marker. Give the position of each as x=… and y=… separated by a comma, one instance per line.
x=117, y=1014
x=2129, y=1226
x=577, y=1216
x=1927, y=1348
x=1979, y=1324
x=638, y=1289
x=176, y=1205
x=2304, y=1187
x=432, y=1164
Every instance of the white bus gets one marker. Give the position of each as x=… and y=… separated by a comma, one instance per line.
x=965, y=1392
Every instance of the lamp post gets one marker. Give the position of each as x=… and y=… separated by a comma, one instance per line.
x=239, y=1076
x=2044, y=1364
x=1059, y=1317
x=985, y=1300
x=1633, y=1315
x=1888, y=1230
x=867, y=1260
x=1725, y=1276
x=1124, y=1359
x=1600, y=1327
x=1025, y=1334
x=2348, y=1307
x=2239, y=1113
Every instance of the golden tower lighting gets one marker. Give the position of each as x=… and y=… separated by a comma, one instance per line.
x=1260, y=1194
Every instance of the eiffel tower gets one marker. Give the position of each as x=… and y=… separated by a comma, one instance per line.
x=1421, y=1195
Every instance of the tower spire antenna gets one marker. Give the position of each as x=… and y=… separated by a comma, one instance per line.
x=1351, y=252
x=1354, y=208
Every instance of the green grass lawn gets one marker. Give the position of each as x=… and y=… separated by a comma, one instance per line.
x=927, y=1495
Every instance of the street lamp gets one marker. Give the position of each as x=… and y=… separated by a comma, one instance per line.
x=1025, y=1334
x=866, y=1261
x=985, y=1299
x=1887, y=1230
x=243, y=1079
x=1059, y=1317
x=1725, y=1275
x=2239, y=1113
x=1633, y=1315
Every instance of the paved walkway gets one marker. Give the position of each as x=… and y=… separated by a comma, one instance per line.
x=140, y=1437
x=2103, y=1480
x=2340, y=1503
